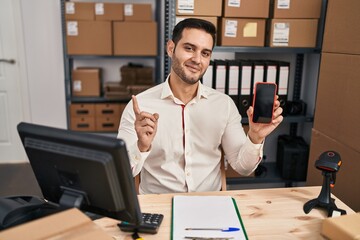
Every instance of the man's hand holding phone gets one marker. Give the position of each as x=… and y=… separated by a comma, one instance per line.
x=265, y=114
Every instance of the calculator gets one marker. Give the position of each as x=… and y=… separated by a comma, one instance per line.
x=150, y=224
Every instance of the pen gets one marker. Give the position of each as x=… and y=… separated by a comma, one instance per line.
x=230, y=229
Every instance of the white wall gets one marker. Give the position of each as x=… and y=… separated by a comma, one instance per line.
x=41, y=21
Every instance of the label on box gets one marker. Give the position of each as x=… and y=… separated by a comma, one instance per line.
x=185, y=6
x=77, y=85
x=128, y=10
x=99, y=9
x=234, y=3
x=281, y=34
x=283, y=4
x=250, y=29
x=70, y=8
x=72, y=28
x=230, y=28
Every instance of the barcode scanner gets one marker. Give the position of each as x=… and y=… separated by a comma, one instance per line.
x=329, y=163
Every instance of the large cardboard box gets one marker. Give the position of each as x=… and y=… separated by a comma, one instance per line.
x=135, y=38
x=213, y=20
x=342, y=28
x=109, y=11
x=82, y=110
x=70, y=224
x=88, y=37
x=337, y=105
x=199, y=7
x=345, y=227
x=86, y=82
x=109, y=109
x=86, y=123
x=79, y=11
x=297, y=9
x=242, y=32
x=137, y=12
x=293, y=33
x=246, y=8
x=347, y=178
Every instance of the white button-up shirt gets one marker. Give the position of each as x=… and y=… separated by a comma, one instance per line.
x=186, y=151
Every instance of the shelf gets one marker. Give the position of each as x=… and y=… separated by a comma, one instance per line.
x=266, y=50
x=98, y=100
x=289, y=119
x=86, y=57
x=272, y=175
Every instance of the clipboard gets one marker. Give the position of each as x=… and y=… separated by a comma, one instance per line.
x=206, y=217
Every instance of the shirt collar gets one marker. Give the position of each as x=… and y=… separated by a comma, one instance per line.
x=166, y=91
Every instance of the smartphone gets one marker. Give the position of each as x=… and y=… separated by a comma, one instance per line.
x=263, y=102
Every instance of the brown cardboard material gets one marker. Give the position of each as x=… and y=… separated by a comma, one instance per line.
x=129, y=38
x=213, y=20
x=347, y=178
x=293, y=33
x=338, y=98
x=297, y=9
x=86, y=82
x=199, y=8
x=82, y=110
x=109, y=11
x=79, y=11
x=342, y=28
x=345, y=227
x=242, y=32
x=137, y=12
x=70, y=224
x=109, y=109
x=107, y=124
x=86, y=123
x=247, y=8
x=89, y=37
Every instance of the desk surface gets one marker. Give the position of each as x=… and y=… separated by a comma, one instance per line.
x=275, y=213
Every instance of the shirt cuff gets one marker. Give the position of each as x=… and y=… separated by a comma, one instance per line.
x=136, y=156
x=258, y=146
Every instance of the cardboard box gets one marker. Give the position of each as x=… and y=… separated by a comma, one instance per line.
x=199, y=7
x=86, y=123
x=109, y=11
x=213, y=20
x=242, y=32
x=336, y=110
x=107, y=124
x=345, y=227
x=109, y=109
x=297, y=9
x=247, y=8
x=129, y=38
x=71, y=224
x=82, y=110
x=137, y=12
x=293, y=33
x=347, y=178
x=342, y=28
x=86, y=82
x=89, y=37
x=79, y=11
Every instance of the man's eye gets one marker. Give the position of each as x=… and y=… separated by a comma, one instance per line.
x=188, y=48
x=206, y=54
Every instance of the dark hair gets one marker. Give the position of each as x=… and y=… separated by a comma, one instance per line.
x=193, y=23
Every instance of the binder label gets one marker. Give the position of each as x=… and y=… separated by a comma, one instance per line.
x=245, y=80
x=220, y=78
x=283, y=80
x=258, y=74
x=207, y=77
x=271, y=74
x=233, y=80
x=281, y=34
x=99, y=9
x=186, y=6
x=234, y=3
x=230, y=28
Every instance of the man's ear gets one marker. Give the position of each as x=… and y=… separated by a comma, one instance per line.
x=170, y=47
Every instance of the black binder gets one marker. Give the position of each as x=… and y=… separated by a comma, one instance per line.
x=283, y=82
x=245, y=70
x=233, y=80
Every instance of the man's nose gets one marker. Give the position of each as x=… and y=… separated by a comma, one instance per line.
x=196, y=57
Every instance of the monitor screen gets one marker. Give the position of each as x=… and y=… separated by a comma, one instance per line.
x=83, y=170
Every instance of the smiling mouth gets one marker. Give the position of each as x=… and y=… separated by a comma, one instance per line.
x=193, y=68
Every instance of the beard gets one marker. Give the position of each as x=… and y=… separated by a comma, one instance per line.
x=179, y=70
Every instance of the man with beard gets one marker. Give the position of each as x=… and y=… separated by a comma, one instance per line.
x=175, y=132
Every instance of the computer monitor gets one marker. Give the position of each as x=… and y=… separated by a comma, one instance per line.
x=83, y=170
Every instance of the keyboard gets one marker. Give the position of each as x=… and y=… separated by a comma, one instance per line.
x=150, y=224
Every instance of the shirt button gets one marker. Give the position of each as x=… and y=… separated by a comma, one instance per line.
x=188, y=174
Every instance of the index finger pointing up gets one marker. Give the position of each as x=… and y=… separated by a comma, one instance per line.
x=135, y=105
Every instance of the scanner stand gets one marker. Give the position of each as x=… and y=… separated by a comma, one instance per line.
x=324, y=199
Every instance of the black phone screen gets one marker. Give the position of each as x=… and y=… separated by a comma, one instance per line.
x=263, y=102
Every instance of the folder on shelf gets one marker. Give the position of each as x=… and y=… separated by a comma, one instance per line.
x=207, y=78
x=283, y=82
x=232, y=78
x=198, y=217
x=256, y=76
x=245, y=86
x=220, y=75
x=270, y=71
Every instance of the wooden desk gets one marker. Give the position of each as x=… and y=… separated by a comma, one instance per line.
x=275, y=213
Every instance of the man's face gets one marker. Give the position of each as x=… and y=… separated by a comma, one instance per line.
x=192, y=54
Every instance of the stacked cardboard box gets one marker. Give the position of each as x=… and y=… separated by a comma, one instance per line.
x=336, y=113
x=294, y=23
x=86, y=82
